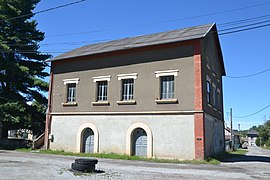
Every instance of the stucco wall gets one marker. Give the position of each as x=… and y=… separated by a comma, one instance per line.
x=209, y=135
x=146, y=86
x=211, y=69
x=173, y=135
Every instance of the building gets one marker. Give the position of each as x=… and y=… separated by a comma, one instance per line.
x=252, y=137
x=157, y=95
x=232, y=141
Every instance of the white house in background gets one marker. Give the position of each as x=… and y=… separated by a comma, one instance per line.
x=252, y=137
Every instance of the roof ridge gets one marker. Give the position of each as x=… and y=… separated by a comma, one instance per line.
x=176, y=35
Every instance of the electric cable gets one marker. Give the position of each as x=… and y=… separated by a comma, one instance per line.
x=253, y=113
x=42, y=11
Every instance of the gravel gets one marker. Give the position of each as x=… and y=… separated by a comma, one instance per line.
x=20, y=165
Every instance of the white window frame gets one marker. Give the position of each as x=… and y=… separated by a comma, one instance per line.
x=104, y=92
x=121, y=77
x=71, y=81
x=97, y=79
x=66, y=82
x=102, y=78
x=162, y=73
x=127, y=76
x=167, y=73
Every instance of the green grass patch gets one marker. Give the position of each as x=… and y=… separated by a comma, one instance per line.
x=24, y=149
x=239, y=152
x=126, y=157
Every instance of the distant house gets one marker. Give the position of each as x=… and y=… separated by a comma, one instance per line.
x=157, y=95
x=235, y=139
x=252, y=137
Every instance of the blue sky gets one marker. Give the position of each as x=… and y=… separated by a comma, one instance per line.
x=244, y=52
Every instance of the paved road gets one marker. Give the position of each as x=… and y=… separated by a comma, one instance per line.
x=17, y=165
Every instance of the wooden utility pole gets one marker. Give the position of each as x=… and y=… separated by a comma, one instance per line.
x=231, y=137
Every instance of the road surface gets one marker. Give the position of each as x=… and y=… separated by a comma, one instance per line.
x=19, y=165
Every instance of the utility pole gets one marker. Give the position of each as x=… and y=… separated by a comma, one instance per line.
x=231, y=137
x=239, y=130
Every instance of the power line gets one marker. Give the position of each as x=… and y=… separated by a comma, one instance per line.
x=209, y=14
x=246, y=29
x=96, y=31
x=250, y=75
x=230, y=32
x=42, y=11
x=192, y=17
x=244, y=20
x=252, y=113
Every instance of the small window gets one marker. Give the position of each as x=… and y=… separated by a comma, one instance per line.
x=214, y=96
x=208, y=89
x=127, y=89
x=102, y=89
x=71, y=92
x=218, y=99
x=167, y=87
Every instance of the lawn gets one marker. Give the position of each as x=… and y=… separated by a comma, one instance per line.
x=216, y=160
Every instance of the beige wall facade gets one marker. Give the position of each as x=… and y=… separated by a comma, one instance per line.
x=146, y=85
x=171, y=126
x=168, y=136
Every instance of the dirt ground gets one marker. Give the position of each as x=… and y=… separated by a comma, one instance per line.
x=19, y=165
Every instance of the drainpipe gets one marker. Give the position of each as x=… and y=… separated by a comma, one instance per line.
x=48, y=114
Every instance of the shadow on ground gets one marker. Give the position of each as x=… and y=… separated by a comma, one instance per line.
x=244, y=158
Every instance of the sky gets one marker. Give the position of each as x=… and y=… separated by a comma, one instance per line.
x=244, y=53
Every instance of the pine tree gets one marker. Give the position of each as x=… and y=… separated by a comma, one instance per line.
x=22, y=103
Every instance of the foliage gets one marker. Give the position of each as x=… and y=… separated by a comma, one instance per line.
x=22, y=103
x=264, y=134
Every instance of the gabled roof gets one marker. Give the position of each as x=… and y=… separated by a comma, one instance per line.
x=253, y=132
x=139, y=41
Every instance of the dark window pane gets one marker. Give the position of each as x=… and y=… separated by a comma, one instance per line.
x=102, y=87
x=71, y=92
x=167, y=87
x=128, y=89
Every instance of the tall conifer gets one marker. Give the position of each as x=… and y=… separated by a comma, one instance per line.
x=22, y=102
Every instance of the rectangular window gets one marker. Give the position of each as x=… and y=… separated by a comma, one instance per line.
x=208, y=89
x=167, y=87
x=127, y=89
x=71, y=92
x=218, y=99
x=102, y=89
x=214, y=97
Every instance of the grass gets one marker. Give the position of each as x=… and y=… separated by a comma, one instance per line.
x=239, y=152
x=124, y=157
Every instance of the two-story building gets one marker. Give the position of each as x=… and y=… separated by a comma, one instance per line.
x=157, y=95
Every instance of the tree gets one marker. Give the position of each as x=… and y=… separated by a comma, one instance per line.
x=22, y=68
x=264, y=134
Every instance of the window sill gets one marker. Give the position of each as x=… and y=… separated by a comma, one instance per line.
x=127, y=102
x=101, y=103
x=70, y=104
x=166, y=101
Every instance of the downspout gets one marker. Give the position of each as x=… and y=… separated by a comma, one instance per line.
x=48, y=114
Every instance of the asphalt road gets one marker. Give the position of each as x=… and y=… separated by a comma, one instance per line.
x=18, y=165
